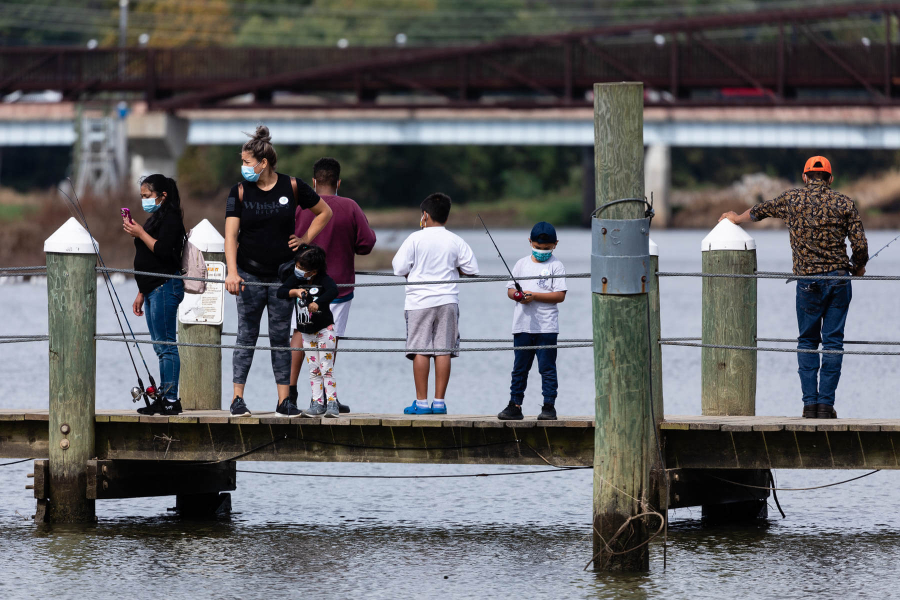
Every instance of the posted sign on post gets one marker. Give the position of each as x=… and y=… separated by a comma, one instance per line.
x=207, y=308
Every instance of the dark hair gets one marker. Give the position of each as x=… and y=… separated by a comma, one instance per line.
x=437, y=206
x=327, y=171
x=820, y=175
x=160, y=184
x=260, y=145
x=311, y=258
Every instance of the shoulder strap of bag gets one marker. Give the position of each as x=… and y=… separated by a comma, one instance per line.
x=241, y=192
x=294, y=187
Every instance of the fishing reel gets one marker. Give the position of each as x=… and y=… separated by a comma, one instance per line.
x=518, y=296
x=149, y=395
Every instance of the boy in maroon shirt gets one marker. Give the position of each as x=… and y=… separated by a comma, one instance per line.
x=346, y=235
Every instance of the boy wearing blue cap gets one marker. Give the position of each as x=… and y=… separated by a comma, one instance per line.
x=536, y=321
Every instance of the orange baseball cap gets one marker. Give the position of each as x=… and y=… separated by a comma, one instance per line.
x=817, y=163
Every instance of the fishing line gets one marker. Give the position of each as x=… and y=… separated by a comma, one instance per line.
x=77, y=211
x=519, y=291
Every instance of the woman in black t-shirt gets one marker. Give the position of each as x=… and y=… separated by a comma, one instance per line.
x=259, y=229
x=158, y=246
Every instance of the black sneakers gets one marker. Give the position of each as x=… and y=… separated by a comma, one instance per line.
x=548, y=413
x=162, y=407
x=287, y=408
x=512, y=412
x=238, y=408
x=342, y=408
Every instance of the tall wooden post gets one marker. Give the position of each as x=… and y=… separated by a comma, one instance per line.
x=657, y=470
x=621, y=352
x=728, y=377
x=200, y=383
x=72, y=323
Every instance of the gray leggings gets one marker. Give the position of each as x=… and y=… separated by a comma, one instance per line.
x=250, y=304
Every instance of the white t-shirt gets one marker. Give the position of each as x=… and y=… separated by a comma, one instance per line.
x=538, y=317
x=429, y=255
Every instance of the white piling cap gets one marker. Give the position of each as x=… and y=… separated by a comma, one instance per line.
x=728, y=236
x=654, y=249
x=206, y=238
x=71, y=238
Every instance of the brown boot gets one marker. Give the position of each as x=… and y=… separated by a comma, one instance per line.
x=810, y=411
x=825, y=411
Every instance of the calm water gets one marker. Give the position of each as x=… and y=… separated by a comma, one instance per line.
x=524, y=536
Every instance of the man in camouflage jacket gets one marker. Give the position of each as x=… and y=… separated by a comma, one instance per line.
x=819, y=220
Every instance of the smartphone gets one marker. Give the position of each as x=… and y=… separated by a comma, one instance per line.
x=126, y=214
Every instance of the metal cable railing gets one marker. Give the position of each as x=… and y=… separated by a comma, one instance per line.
x=104, y=338
x=473, y=279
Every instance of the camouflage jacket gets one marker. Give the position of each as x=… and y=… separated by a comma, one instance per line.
x=819, y=220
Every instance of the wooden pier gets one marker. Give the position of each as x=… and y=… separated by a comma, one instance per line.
x=642, y=463
x=689, y=442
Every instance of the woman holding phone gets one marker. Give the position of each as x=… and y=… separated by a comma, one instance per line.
x=158, y=246
x=259, y=236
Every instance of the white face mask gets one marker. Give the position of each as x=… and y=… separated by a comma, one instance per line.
x=300, y=274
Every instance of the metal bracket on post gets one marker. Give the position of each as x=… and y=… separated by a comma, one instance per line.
x=620, y=255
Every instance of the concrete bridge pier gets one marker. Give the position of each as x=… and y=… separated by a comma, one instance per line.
x=156, y=140
x=658, y=180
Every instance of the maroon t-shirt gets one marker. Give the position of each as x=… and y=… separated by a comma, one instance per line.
x=346, y=235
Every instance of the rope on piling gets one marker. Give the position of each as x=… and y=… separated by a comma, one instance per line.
x=15, y=462
x=104, y=338
x=473, y=279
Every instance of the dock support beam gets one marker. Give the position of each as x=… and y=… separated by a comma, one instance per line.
x=200, y=385
x=72, y=323
x=621, y=353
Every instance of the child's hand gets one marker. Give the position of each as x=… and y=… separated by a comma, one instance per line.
x=313, y=307
x=528, y=299
x=297, y=293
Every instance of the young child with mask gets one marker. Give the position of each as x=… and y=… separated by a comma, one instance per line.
x=536, y=321
x=312, y=290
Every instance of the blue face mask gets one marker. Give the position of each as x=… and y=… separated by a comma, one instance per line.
x=541, y=255
x=249, y=173
x=149, y=205
x=299, y=273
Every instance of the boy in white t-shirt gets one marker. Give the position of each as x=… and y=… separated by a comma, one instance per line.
x=536, y=321
x=432, y=311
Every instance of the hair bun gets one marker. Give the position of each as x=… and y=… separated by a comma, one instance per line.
x=262, y=134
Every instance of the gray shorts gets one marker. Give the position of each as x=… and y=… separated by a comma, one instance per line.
x=433, y=328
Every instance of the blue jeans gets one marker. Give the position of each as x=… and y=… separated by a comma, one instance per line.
x=821, y=315
x=161, y=310
x=525, y=358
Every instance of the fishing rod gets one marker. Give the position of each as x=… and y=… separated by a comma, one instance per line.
x=518, y=295
x=871, y=258
x=152, y=391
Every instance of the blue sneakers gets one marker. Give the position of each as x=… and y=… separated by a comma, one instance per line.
x=415, y=409
x=438, y=407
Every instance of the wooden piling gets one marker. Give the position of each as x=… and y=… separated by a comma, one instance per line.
x=728, y=377
x=200, y=385
x=657, y=470
x=72, y=323
x=621, y=353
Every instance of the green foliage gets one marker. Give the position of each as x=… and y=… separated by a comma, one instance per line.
x=393, y=176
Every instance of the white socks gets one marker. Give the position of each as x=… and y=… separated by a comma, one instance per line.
x=438, y=403
x=423, y=403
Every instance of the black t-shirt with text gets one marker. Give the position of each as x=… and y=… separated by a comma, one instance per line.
x=267, y=221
